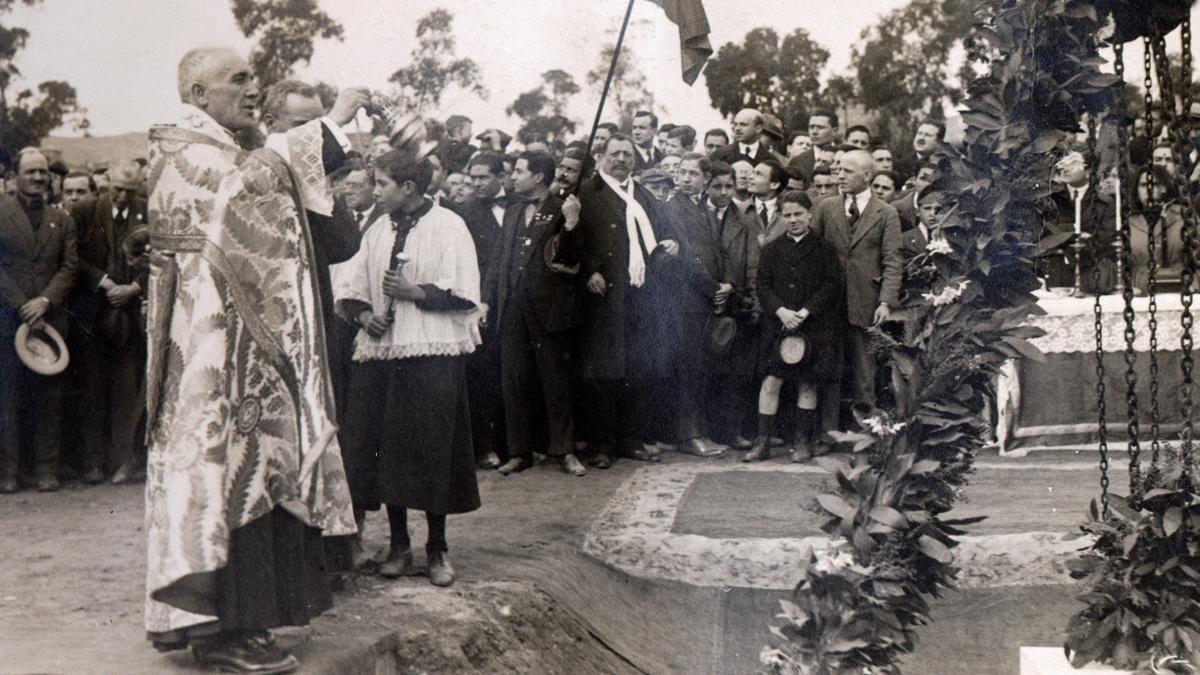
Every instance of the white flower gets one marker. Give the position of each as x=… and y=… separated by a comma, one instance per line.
x=939, y=245
x=771, y=657
x=948, y=294
x=878, y=426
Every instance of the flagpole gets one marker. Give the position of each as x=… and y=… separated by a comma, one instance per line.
x=612, y=69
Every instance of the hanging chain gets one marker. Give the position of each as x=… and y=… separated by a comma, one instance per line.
x=1131, y=398
x=1162, y=66
x=1189, y=224
x=1093, y=161
x=1152, y=284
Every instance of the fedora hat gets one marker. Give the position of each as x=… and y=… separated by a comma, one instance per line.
x=42, y=349
x=722, y=329
x=793, y=348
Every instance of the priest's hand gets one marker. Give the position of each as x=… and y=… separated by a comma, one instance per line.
x=596, y=284
x=395, y=286
x=570, y=210
x=348, y=102
x=122, y=293
x=375, y=325
x=33, y=310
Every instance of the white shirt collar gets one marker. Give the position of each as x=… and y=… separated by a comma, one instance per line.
x=748, y=148
x=861, y=199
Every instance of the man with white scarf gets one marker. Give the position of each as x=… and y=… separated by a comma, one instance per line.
x=622, y=239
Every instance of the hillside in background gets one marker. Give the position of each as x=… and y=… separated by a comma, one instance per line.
x=77, y=152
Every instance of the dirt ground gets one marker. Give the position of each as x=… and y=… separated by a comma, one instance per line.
x=526, y=600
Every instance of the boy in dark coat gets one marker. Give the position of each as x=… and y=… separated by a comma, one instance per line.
x=802, y=290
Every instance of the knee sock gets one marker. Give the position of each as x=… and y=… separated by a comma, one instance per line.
x=805, y=420
x=398, y=523
x=766, y=424
x=437, y=532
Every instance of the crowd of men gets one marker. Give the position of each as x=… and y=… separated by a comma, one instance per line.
x=260, y=291
x=579, y=336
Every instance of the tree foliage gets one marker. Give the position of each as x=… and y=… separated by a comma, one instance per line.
x=781, y=77
x=285, y=31
x=629, y=92
x=435, y=66
x=903, y=64
x=543, y=109
x=27, y=115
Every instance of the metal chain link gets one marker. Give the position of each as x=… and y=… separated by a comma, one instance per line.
x=1162, y=66
x=1093, y=162
x=1189, y=224
x=1131, y=397
x=1152, y=284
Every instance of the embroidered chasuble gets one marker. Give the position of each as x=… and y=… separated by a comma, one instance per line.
x=241, y=416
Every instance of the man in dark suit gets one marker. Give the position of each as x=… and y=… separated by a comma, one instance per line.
x=335, y=235
x=822, y=130
x=866, y=233
x=532, y=302
x=644, y=130
x=622, y=240
x=107, y=340
x=1077, y=212
x=697, y=278
x=735, y=375
x=768, y=181
x=483, y=213
x=37, y=267
x=926, y=139
x=747, y=126
x=455, y=149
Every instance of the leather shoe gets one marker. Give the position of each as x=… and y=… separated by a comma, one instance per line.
x=359, y=558
x=93, y=476
x=742, y=443
x=601, y=460
x=760, y=452
x=244, y=654
x=801, y=452
x=441, y=573
x=399, y=563
x=698, y=448
x=127, y=473
x=490, y=461
x=9, y=485
x=643, y=455
x=514, y=465
x=570, y=464
x=47, y=484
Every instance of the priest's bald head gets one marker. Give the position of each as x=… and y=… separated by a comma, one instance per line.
x=220, y=83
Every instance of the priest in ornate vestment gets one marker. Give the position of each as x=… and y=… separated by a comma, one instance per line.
x=244, y=473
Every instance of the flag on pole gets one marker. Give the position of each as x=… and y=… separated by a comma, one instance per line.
x=693, y=34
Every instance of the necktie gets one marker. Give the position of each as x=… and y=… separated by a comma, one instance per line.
x=853, y=211
x=763, y=214
x=359, y=216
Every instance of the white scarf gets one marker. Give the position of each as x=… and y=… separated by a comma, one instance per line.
x=636, y=221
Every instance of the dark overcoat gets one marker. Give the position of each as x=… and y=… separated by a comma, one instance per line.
x=550, y=294
x=623, y=331
x=804, y=275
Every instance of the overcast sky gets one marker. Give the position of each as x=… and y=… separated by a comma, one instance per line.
x=121, y=54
